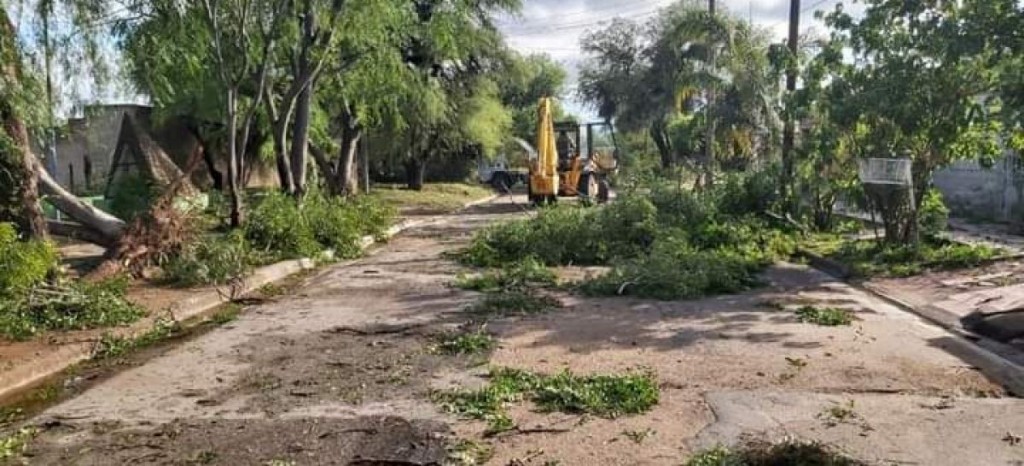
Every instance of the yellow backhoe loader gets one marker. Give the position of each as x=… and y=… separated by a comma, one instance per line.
x=562, y=167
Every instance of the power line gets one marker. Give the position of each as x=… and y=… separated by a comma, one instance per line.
x=613, y=10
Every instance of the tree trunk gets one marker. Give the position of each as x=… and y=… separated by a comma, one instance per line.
x=234, y=157
x=346, y=177
x=28, y=212
x=211, y=166
x=30, y=218
x=103, y=223
x=279, y=132
x=664, y=147
x=300, y=139
x=415, y=172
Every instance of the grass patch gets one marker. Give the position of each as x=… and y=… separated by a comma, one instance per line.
x=509, y=303
x=113, y=346
x=227, y=313
x=789, y=453
x=469, y=453
x=465, y=343
x=827, y=316
x=870, y=258
x=607, y=396
x=523, y=274
x=434, y=196
x=15, y=444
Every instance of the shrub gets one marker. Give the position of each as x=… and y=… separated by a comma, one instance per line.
x=277, y=225
x=334, y=224
x=213, y=261
x=933, y=216
x=280, y=225
x=23, y=264
x=132, y=195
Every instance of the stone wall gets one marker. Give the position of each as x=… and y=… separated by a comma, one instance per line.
x=974, y=192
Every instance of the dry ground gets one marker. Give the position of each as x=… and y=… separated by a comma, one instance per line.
x=340, y=373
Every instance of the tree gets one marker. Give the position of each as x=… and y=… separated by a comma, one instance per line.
x=914, y=50
x=19, y=196
x=651, y=77
x=522, y=83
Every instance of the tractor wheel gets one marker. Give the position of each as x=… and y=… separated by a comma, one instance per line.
x=589, y=187
x=603, y=191
x=501, y=182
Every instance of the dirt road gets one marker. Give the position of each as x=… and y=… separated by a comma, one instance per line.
x=340, y=372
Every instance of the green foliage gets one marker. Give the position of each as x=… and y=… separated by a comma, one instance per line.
x=607, y=396
x=868, y=258
x=75, y=306
x=469, y=453
x=933, y=216
x=131, y=195
x=789, y=453
x=568, y=235
x=113, y=346
x=281, y=226
x=213, y=261
x=23, y=264
x=514, y=302
x=664, y=244
x=523, y=274
x=827, y=317
x=277, y=225
x=466, y=343
x=14, y=445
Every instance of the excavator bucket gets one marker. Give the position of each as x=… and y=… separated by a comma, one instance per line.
x=544, y=170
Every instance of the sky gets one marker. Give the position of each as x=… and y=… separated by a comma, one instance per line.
x=554, y=27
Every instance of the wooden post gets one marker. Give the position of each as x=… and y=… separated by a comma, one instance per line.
x=789, y=130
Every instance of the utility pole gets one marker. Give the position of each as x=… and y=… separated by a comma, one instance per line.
x=710, y=124
x=789, y=131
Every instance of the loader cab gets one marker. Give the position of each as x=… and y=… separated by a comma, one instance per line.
x=567, y=143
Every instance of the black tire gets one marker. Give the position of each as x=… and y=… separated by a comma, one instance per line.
x=603, y=190
x=501, y=182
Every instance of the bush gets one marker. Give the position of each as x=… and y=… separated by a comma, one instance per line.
x=280, y=225
x=276, y=225
x=933, y=217
x=521, y=275
x=132, y=195
x=213, y=261
x=23, y=264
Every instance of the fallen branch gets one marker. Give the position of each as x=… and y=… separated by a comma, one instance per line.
x=519, y=431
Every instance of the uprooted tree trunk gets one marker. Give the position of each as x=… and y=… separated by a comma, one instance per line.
x=162, y=230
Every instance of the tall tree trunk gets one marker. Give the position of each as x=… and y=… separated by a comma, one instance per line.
x=22, y=169
x=234, y=158
x=415, y=173
x=30, y=218
x=657, y=131
x=279, y=132
x=345, y=177
x=300, y=140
